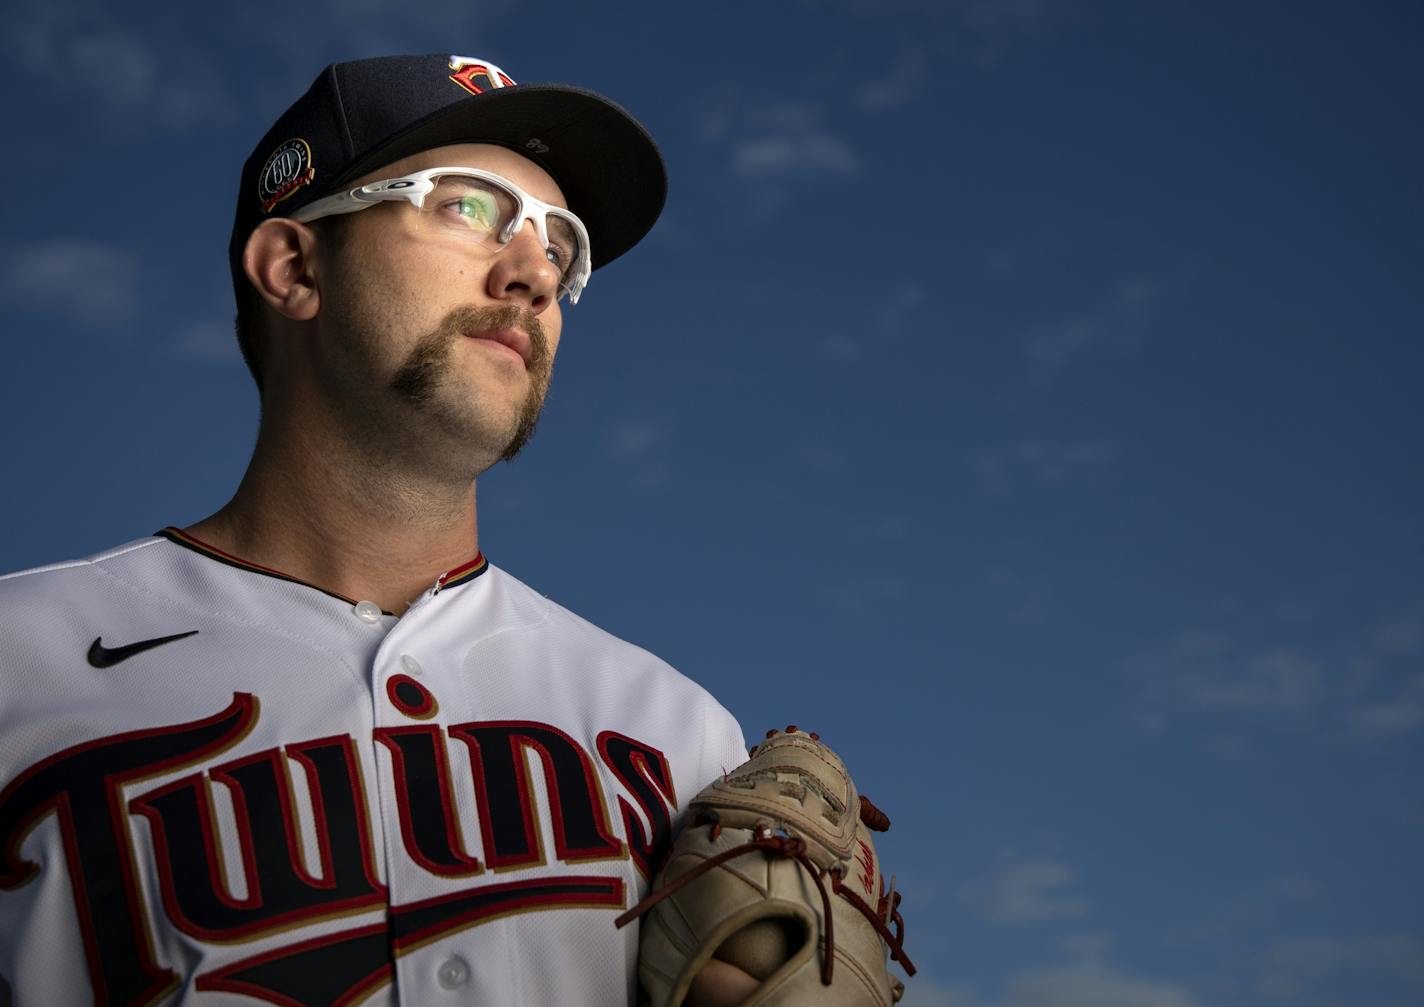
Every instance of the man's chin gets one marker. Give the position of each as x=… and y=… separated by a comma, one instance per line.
x=486, y=439
x=516, y=444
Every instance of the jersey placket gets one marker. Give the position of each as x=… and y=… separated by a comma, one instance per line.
x=427, y=848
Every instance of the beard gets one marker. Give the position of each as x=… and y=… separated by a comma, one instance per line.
x=419, y=378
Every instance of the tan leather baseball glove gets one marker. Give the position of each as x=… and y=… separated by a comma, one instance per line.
x=774, y=872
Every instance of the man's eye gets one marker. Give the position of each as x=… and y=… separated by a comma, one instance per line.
x=476, y=210
x=559, y=255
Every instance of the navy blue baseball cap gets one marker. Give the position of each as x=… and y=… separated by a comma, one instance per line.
x=362, y=114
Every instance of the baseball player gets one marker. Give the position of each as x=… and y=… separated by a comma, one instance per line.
x=316, y=749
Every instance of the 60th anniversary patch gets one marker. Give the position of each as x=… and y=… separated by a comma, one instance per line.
x=287, y=170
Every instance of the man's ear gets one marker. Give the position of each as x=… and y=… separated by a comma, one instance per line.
x=278, y=261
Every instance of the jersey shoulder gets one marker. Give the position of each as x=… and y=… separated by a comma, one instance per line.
x=56, y=581
x=36, y=603
x=576, y=632
x=542, y=609
x=627, y=670
x=30, y=575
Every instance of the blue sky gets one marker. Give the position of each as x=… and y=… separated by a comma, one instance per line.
x=1024, y=395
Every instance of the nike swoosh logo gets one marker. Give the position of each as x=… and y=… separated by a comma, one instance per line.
x=106, y=657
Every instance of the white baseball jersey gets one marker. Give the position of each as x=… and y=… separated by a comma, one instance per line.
x=220, y=785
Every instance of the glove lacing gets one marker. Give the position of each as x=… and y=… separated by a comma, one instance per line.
x=794, y=848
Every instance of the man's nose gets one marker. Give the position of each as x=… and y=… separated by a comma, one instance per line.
x=521, y=271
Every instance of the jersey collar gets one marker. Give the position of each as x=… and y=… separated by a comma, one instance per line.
x=462, y=574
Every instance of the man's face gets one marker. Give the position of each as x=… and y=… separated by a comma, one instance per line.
x=443, y=342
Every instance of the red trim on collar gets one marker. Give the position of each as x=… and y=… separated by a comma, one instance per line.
x=459, y=575
x=179, y=537
x=197, y=543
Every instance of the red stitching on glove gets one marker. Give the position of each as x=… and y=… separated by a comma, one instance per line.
x=896, y=941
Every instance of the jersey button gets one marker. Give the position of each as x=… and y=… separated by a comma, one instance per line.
x=453, y=972
x=368, y=611
x=410, y=665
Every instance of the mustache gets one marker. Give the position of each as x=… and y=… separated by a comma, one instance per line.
x=511, y=316
x=416, y=379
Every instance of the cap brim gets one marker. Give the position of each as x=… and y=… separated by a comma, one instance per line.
x=607, y=165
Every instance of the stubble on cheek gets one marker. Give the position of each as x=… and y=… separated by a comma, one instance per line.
x=424, y=368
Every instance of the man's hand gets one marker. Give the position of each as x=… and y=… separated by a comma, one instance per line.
x=720, y=985
x=779, y=852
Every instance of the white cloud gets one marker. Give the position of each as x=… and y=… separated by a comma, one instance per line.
x=890, y=318
x=1121, y=317
x=788, y=139
x=116, y=65
x=140, y=67
x=1029, y=892
x=894, y=314
x=780, y=140
x=1205, y=672
x=1091, y=986
x=638, y=445
x=1402, y=636
x=633, y=440
x=1057, y=345
x=1366, y=686
x=841, y=346
x=85, y=281
x=1234, y=749
x=1388, y=667
x=1048, y=464
x=1085, y=947
x=1399, y=714
x=1293, y=969
x=895, y=85
x=1276, y=681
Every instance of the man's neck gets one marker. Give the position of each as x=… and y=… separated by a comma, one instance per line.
x=357, y=526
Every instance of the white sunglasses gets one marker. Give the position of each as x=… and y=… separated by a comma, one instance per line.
x=478, y=205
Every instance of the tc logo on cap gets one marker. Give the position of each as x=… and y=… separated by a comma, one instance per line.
x=477, y=75
x=287, y=170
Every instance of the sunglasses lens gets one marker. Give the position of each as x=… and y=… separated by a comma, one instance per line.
x=480, y=210
x=473, y=208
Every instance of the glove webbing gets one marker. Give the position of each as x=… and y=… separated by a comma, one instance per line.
x=794, y=848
